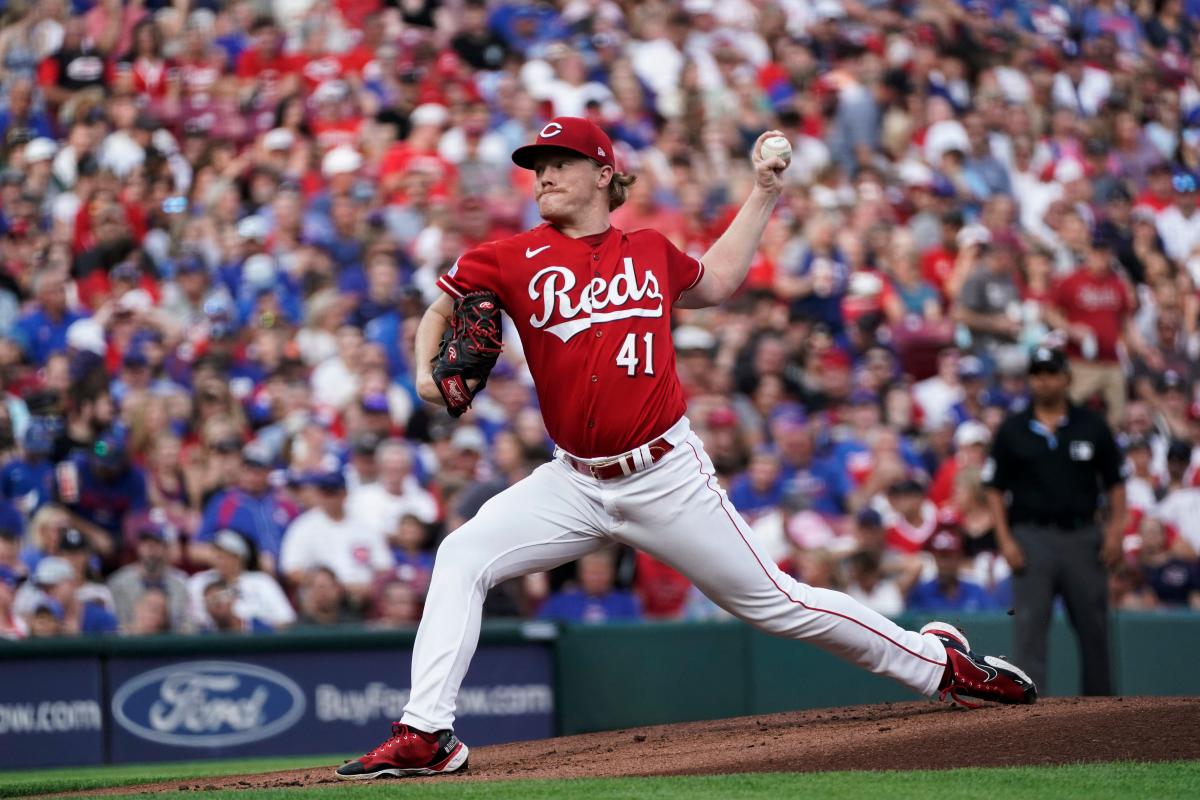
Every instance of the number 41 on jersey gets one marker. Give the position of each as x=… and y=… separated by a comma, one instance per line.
x=628, y=359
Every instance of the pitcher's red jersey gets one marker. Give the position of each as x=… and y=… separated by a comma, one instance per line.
x=594, y=316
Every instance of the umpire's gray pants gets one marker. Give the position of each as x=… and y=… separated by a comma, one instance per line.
x=1064, y=563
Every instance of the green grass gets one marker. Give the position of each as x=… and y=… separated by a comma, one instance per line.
x=25, y=783
x=1162, y=781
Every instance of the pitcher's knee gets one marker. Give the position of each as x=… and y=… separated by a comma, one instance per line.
x=769, y=617
x=778, y=609
x=462, y=561
x=779, y=624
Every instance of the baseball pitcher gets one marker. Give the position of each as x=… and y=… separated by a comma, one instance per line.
x=592, y=305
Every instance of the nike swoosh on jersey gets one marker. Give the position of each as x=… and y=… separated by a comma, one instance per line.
x=531, y=253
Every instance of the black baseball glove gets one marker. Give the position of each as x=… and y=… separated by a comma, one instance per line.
x=470, y=347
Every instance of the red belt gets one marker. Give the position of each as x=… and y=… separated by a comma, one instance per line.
x=622, y=465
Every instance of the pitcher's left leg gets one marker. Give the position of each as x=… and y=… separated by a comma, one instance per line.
x=678, y=513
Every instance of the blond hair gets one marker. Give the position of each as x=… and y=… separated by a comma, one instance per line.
x=618, y=189
x=40, y=533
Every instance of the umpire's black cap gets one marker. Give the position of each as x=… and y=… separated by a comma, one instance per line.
x=1047, y=359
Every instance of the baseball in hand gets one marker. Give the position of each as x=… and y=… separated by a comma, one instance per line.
x=776, y=146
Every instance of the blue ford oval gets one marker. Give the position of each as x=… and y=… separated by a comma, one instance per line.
x=208, y=704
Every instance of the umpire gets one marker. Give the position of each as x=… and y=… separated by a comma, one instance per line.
x=1050, y=467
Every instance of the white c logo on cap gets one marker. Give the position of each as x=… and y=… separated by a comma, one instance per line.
x=551, y=129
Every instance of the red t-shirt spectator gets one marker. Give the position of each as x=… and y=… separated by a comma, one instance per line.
x=1045, y=295
x=150, y=77
x=199, y=77
x=1155, y=202
x=255, y=65
x=941, y=490
x=857, y=306
x=267, y=70
x=353, y=62
x=315, y=69
x=96, y=287
x=330, y=133
x=1133, y=537
x=662, y=590
x=1101, y=302
x=355, y=12
x=904, y=537
x=401, y=157
x=937, y=265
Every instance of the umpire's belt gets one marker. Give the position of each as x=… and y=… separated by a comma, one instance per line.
x=1067, y=522
x=625, y=464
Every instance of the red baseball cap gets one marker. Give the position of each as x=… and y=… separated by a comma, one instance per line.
x=945, y=540
x=576, y=134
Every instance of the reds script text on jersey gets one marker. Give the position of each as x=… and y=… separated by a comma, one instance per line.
x=594, y=316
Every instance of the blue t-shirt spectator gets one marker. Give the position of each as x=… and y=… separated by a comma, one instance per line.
x=285, y=298
x=96, y=619
x=750, y=501
x=1002, y=593
x=415, y=567
x=41, y=335
x=260, y=518
x=932, y=596
x=36, y=121
x=107, y=488
x=576, y=606
x=524, y=26
x=851, y=449
x=831, y=280
x=823, y=489
x=27, y=481
x=385, y=330
x=1174, y=581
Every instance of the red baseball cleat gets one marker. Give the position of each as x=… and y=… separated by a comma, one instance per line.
x=970, y=676
x=409, y=752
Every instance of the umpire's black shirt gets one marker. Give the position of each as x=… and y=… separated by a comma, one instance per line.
x=1054, y=477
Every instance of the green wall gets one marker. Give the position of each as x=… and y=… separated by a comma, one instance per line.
x=619, y=676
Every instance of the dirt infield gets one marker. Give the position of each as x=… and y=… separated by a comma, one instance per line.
x=920, y=735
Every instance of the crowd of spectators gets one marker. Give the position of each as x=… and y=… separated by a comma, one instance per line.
x=220, y=222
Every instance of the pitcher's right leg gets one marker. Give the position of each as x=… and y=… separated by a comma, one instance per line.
x=681, y=516
x=537, y=524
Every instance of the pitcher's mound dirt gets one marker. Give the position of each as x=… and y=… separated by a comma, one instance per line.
x=921, y=735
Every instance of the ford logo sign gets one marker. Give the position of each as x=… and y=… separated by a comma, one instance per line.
x=208, y=704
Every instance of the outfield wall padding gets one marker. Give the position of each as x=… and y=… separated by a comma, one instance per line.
x=617, y=676
x=93, y=701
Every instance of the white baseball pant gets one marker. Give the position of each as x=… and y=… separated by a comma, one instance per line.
x=675, y=511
